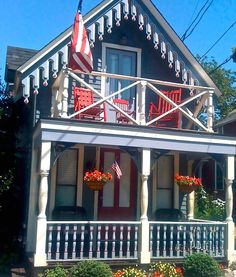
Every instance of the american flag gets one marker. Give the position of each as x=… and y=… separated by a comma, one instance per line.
x=80, y=53
x=117, y=169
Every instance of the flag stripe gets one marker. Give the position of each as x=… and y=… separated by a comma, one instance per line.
x=80, y=53
x=117, y=169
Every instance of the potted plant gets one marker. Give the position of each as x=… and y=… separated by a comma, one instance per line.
x=96, y=179
x=188, y=184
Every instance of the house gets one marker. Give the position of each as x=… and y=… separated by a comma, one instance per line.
x=138, y=58
x=226, y=127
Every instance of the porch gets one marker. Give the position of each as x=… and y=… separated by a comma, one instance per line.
x=140, y=240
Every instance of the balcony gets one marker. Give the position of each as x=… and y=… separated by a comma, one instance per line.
x=195, y=108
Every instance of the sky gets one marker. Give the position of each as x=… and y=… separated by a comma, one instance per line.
x=34, y=23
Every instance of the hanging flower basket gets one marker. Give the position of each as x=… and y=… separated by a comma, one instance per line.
x=96, y=179
x=188, y=184
x=95, y=185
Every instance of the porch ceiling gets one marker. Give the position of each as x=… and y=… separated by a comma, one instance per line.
x=108, y=134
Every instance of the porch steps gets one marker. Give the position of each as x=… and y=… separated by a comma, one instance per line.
x=18, y=271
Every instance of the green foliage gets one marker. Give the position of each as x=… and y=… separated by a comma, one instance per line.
x=89, y=268
x=58, y=271
x=225, y=80
x=207, y=207
x=201, y=265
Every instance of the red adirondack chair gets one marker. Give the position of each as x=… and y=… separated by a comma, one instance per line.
x=172, y=119
x=84, y=97
x=124, y=106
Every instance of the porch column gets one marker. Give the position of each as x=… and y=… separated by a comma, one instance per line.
x=41, y=233
x=176, y=187
x=141, y=103
x=191, y=195
x=144, y=229
x=65, y=95
x=210, y=111
x=229, y=206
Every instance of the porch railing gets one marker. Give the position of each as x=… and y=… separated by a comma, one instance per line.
x=92, y=240
x=179, y=239
x=71, y=241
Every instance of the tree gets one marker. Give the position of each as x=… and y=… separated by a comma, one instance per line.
x=225, y=80
x=6, y=139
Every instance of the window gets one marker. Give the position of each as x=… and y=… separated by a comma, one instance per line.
x=66, y=178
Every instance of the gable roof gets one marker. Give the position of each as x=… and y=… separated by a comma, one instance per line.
x=16, y=56
x=102, y=19
x=230, y=118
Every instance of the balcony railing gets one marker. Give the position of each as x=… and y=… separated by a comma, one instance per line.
x=190, y=108
x=72, y=241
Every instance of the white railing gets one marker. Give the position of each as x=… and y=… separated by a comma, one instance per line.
x=76, y=240
x=199, y=94
x=179, y=239
x=72, y=241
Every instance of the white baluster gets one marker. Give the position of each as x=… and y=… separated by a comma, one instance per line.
x=82, y=242
x=171, y=240
x=198, y=239
x=164, y=240
x=184, y=241
x=210, y=111
x=210, y=239
x=191, y=240
x=217, y=241
x=113, y=241
x=50, y=229
x=178, y=243
x=106, y=242
x=151, y=240
x=66, y=242
x=128, y=241
x=99, y=242
x=136, y=242
x=74, y=241
x=222, y=240
x=91, y=242
x=204, y=239
x=121, y=241
x=58, y=242
x=158, y=240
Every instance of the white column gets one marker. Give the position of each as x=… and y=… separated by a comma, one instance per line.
x=191, y=195
x=65, y=96
x=144, y=228
x=40, y=254
x=229, y=207
x=141, y=103
x=176, y=187
x=229, y=191
x=210, y=111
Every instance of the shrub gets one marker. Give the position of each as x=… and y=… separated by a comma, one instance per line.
x=91, y=269
x=207, y=207
x=58, y=271
x=130, y=272
x=201, y=265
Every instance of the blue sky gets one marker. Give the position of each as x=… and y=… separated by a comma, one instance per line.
x=32, y=24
